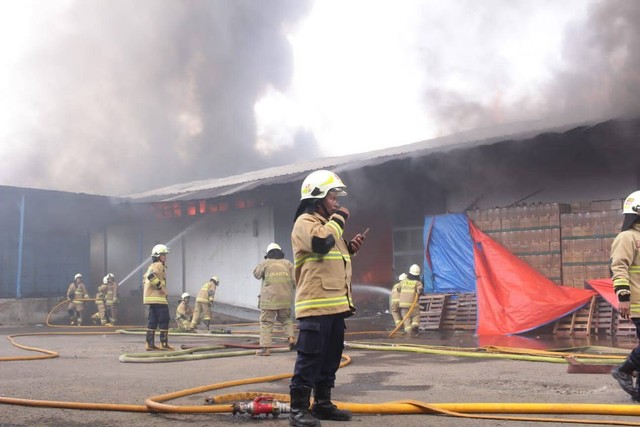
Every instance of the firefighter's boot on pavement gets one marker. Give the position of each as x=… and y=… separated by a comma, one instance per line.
x=151, y=337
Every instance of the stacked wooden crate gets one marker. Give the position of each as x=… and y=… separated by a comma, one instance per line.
x=531, y=232
x=586, y=241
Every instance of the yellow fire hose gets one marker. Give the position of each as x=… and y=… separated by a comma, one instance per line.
x=466, y=410
x=406, y=316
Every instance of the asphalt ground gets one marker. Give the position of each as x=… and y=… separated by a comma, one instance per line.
x=88, y=370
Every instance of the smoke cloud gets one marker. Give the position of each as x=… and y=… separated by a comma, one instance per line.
x=126, y=96
x=119, y=97
x=596, y=75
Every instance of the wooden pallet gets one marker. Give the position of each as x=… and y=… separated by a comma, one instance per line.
x=623, y=327
x=603, y=319
x=431, y=309
x=449, y=311
x=467, y=312
x=577, y=323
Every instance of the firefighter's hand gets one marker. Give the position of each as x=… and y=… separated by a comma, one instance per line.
x=356, y=243
x=624, y=308
x=343, y=212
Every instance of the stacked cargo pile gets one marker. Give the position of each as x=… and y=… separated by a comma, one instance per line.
x=586, y=241
x=531, y=232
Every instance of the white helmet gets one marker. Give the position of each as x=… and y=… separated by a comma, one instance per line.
x=104, y=280
x=215, y=279
x=273, y=246
x=184, y=295
x=632, y=203
x=159, y=250
x=402, y=276
x=317, y=184
x=109, y=276
x=414, y=270
x=77, y=276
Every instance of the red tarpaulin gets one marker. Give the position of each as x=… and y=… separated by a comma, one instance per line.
x=512, y=296
x=605, y=288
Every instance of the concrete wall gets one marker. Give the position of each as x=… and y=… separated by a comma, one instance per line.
x=28, y=311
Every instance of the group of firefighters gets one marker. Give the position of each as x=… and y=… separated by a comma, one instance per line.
x=106, y=300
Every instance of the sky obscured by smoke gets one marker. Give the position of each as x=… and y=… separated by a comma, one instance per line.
x=130, y=95
x=115, y=97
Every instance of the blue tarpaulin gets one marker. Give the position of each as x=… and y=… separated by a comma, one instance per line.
x=448, y=263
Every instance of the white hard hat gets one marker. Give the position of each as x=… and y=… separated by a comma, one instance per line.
x=215, y=279
x=273, y=246
x=109, y=276
x=104, y=279
x=77, y=276
x=402, y=276
x=317, y=184
x=159, y=250
x=184, y=295
x=414, y=269
x=632, y=203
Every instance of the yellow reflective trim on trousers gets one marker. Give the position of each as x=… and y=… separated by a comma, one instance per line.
x=336, y=227
x=634, y=269
x=317, y=257
x=322, y=302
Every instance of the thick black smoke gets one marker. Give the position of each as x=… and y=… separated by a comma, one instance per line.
x=133, y=95
x=598, y=76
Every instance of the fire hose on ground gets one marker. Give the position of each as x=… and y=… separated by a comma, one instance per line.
x=256, y=403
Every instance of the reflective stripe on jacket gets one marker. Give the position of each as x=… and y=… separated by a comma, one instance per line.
x=79, y=292
x=206, y=292
x=276, y=292
x=112, y=293
x=625, y=265
x=323, y=282
x=155, y=294
x=408, y=290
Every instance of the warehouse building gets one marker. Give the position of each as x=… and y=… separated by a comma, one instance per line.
x=551, y=195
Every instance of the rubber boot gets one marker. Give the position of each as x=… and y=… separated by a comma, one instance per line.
x=624, y=375
x=207, y=322
x=323, y=408
x=264, y=351
x=300, y=415
x=292, y=343
x=72, y=316
x=151, y=337
x=164, y=340
x=415, y=331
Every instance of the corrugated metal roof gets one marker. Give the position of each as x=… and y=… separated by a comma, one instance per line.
x=217, y=187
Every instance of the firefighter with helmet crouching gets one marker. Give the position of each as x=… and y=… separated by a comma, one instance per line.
x=184, y=313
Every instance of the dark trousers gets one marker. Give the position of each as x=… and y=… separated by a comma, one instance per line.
x=320, y=344
x=158, y=317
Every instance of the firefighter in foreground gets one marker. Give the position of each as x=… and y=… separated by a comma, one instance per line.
x=204, y=302
x=625, y=273
x=276, y=295
x=184, y=313
x=101, y=316
x=409, y=289
x=111, y=299
x=394, y=301
x=323, y=296
x=75, y=293
x=155, y=296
